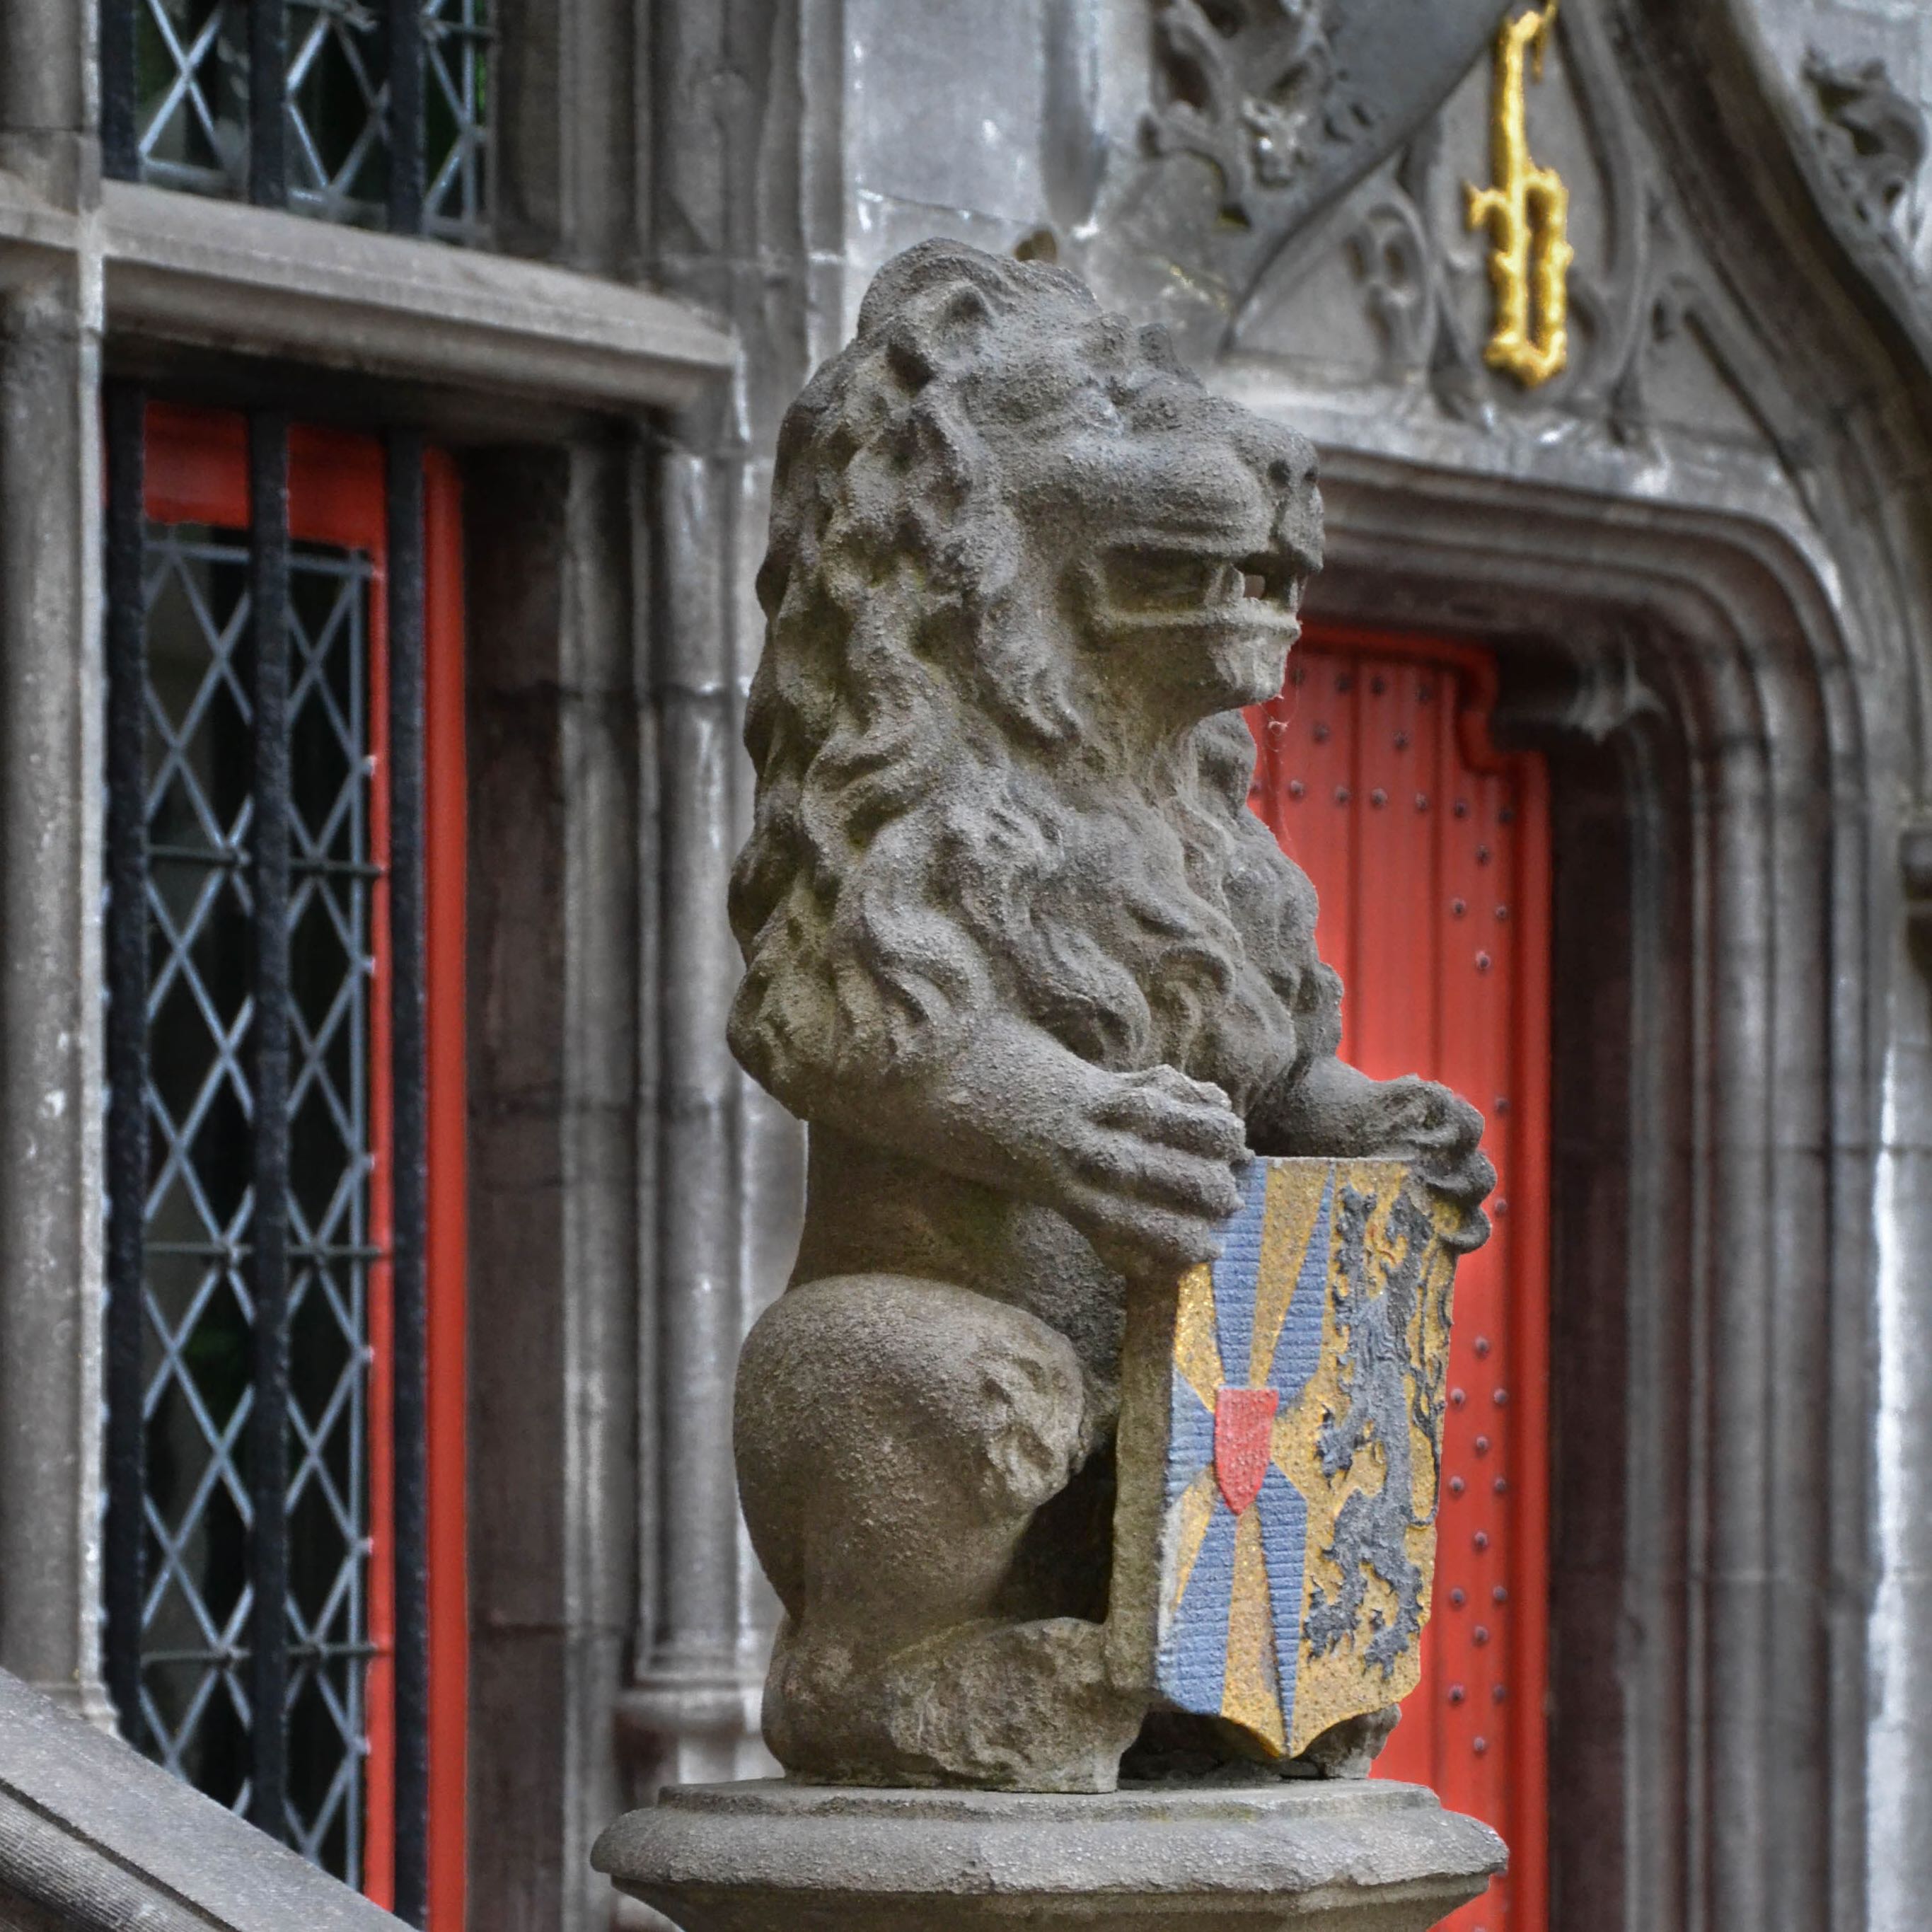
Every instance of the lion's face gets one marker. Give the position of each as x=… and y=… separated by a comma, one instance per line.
x=1174, y=530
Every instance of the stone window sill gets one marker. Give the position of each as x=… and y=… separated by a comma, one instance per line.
x=188, y=270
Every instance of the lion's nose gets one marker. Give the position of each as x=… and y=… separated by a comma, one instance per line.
x=1282, y=457
x=1287, y=462
x=1283, y=460
x=1298, y=529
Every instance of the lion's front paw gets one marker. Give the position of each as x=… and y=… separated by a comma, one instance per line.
x=1441, y=1134
x=1151, y=1171
x=1350, y=1748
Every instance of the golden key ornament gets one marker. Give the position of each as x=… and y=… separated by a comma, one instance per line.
x=1527, y=215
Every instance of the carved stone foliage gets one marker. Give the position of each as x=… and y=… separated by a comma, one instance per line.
x=1288, y=104
x=1246, y=87
x=1875, y=138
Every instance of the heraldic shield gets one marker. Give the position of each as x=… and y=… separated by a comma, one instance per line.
x=1301, y=1454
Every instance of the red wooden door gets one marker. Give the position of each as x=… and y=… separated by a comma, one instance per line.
x=1431, y=855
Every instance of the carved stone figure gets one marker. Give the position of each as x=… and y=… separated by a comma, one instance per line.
x=1039, y=982
x=1875, y=137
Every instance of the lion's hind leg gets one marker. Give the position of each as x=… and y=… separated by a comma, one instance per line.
x=894, y=1438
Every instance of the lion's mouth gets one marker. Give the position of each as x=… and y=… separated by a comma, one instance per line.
x=1149, y=584
x=1273, y=580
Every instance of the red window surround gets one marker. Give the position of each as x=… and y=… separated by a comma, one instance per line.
x=1431, y=854
x=197, y=471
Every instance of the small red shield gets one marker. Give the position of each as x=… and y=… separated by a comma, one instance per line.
x=1243, y=1438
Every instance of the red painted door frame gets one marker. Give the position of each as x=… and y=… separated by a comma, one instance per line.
x=197, y=471
x=1430, y=852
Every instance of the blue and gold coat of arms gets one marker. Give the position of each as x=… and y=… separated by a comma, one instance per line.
x=1301, y=1452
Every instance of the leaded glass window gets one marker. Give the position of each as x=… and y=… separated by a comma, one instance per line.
x=184, y=80
x=272, y=1485
x=197, y=1392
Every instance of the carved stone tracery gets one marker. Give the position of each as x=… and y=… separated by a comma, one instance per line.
x=1283, y=106
x=1245, y=85
x=1875, y=138
x=1638, y=294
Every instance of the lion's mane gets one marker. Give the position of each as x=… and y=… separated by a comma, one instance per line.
x=931, y=840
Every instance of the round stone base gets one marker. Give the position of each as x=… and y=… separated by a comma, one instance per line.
x=767, y=1856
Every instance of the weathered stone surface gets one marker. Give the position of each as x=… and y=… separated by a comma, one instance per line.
x=94, y=1838
x=775, y=1857
x=1041, y=983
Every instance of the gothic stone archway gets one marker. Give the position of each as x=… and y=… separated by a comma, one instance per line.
x=1715, y=1120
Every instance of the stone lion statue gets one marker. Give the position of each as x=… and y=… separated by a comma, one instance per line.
x=1038, y=979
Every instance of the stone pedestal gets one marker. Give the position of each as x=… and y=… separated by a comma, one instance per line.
x=773, y=1857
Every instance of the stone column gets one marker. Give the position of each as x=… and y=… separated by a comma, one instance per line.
x=553, y=1000
x=743, y=223
x=50, y=874
x=692, y=1695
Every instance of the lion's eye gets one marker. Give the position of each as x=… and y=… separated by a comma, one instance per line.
x=1253, y=584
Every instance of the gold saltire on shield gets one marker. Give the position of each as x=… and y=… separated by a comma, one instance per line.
x=1527, y=215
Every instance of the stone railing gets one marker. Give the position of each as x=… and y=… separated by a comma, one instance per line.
x=94, y=1838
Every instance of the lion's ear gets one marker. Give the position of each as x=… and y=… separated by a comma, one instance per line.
x=948, y=328
x=1157, y=347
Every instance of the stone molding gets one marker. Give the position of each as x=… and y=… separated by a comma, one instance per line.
x=1355, y=1857
x=1717, y=987
x=194, y=271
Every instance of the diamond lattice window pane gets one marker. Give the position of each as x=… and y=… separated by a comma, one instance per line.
x=457, y=110
x=191, y=91
x=338, y=96
x=199, y=1337
x=191, y=95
